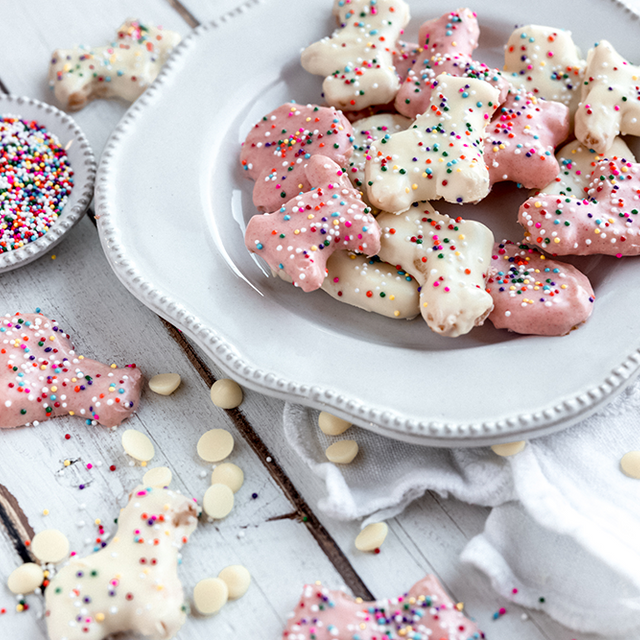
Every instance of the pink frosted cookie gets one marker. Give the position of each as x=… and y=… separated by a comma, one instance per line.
x=605, y=223
x=450, y=260
x=522, y=138
x=278, y=148
x=426, y=612
x=610, y=101
x=404, y=57
x=546, y=62
x=304, y=232
x=446, y=47
x=535, y=295
x=441, y=156
x=132, y=583
x=357, y=60
x=41, y=377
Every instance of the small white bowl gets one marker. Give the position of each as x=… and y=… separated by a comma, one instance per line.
x=82, y=162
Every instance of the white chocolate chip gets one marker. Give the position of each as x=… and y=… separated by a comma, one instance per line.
x=630, y=464
x=229, y=474
x=210, y=595
x=138, y=445
x=226, y=394
x=372, y=536
x=26, y=578
x=215, y=445
x=218, y=501
x=157, y=477
x=237, y=578
x=50, y=545
x=165, y=383
x=508, y=448
x=342, y=452
x=332, y=425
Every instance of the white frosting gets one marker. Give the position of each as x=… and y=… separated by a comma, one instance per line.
x=122, y=69
x=132, y=583
x=441, y=156
x=610, y=102
x=357, y=60
x=449, y=258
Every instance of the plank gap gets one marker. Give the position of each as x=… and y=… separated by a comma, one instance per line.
x=302, y=510
x=184, y=13
x=16, y=523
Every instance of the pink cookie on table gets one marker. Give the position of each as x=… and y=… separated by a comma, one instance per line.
x=304, y=232
x=605, y=223
x=533, y=294
x=426, y=612
x=42, y=377
x=278, y=148
x=521, y=140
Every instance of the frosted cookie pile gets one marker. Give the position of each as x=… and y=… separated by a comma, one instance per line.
x=448, y=127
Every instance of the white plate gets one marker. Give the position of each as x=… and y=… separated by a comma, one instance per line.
x=82, y=162
x=172, y=205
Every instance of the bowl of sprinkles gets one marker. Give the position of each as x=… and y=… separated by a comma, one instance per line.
x=47, y=172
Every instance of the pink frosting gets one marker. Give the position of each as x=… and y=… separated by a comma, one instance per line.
x=41, y=377
x=278, y=148
x=404, y=57
x=426, y=612
x=304, y=232
x=533, y=294
x=607, y=222
x=522, y=138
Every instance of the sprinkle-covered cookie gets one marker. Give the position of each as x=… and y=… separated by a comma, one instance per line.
x=610, y=101
x=425, y=612
x=449, y=258
x=441, y=155
x=278, y=148
x=546, y=62
x=42, y=377
x=533, y=294
x=522, y=138
x=357, y=60
x=304, y=232
x=122, y=69
x=606, y=222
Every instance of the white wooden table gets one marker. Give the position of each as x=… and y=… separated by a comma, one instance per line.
x=278, y=535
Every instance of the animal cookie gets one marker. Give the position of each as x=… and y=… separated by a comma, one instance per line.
x=610, y=101
x=441, y=155
x=522, y=138
x=357, y=60
x=449, y=258
x=425, y=612
x=304, y=232
x=372, y=285
x=122, y=69
x=278, y=148
x=132, y=583
x=365, y=133
x=42, y=377
x=447, y=44
x=405, y=57
x=576, y=163
x=546, y=62
x=605, y=223
x=535, y=295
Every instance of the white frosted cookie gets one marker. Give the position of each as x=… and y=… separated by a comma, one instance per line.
x=546, y=62
x=132, y=583
x=450, y=259
x=372, y=285
x=365, y=133
x=122, y=69
x=441, y=155
x=576, y=162
x=357, y=59
x=609, y=104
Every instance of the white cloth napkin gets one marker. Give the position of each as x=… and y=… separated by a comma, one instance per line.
x=565, y=520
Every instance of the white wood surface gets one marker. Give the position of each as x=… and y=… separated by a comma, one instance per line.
x=266, y=534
